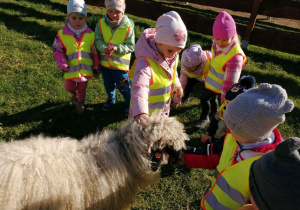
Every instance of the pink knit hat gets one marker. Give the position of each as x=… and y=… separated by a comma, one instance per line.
x=224, y=26
x=170, y=30
x=115, y=4
x=191, y=57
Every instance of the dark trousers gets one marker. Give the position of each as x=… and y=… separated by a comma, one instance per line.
x=189, y=87
x=209, y=102
x=119, y=79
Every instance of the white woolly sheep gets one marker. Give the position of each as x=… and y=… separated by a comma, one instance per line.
x=105, y=170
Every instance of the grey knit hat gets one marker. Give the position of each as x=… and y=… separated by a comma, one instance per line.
x=78, y=6
x=255, y=113
x=274, y=178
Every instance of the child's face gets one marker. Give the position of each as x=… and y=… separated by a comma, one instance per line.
x=76, y=21
x=223, y=43
x=114, y=14
x=167, y=51
x=190, y=69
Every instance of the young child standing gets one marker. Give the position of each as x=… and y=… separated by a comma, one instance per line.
x=75, y=39
x=227, y=62
x=252, y=118
x=154, y=72
x=194, y=66
x=115, y=42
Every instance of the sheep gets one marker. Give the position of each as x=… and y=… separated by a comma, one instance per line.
x=104, y=170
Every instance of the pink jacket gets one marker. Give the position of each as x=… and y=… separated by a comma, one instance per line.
x=59, y=50
x=145, y=46
x=232, y=69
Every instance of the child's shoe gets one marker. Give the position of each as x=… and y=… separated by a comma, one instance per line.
x=107, y=106
x=79, y=107
x=185, y=101
x=203, y=123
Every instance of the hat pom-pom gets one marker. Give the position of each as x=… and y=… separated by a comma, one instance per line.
x=248, y=81
x=289, y=106
x=264, y=86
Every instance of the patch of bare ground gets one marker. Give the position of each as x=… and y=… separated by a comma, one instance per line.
x=279, y=21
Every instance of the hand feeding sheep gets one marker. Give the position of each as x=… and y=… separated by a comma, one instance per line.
x=105, y=170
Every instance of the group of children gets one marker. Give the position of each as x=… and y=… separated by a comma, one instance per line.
x=250, y=118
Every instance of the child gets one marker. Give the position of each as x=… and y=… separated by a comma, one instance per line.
x=73, y=39
x=227, y=62
x=115, y=42
x=274, y=178
x=194, y=66
x=252, y=118
x=154, y=72
x=217, y=127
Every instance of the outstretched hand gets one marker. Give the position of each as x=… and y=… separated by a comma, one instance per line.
x=206, y=138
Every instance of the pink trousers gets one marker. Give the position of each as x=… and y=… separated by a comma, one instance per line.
x=79, y=88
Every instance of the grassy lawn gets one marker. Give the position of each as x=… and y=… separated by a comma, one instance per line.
x=33, y=99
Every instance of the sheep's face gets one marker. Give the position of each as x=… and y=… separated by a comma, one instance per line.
x=162, y=157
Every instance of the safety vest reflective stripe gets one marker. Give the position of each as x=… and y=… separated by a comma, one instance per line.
x=155, y=106
x=78, y=54
x=214, y=204
x=80, y=67
x=115, y=59
x=161, y=88
x=235, y=194
x=215, y=76
x=230, y=187
x=119, y=36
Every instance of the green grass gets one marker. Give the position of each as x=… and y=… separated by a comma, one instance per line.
x=33, y=99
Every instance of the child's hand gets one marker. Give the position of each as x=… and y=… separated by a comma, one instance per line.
x=178, y=92
x=142, y=119
x=66, y=69
x=206, y=138
x=109, y=50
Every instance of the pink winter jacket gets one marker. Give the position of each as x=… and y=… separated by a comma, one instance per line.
x=145, y=46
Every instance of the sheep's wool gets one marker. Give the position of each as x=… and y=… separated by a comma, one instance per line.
x=102, y=171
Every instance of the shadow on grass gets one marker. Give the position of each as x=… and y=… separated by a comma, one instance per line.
x=56, y=119
x=31, y=28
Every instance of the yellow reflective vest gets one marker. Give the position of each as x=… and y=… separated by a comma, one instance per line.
x=230, y=183
x=115, y=61
x=78, y=54
x=215, y=76
x=205, y=69
x=161, y=86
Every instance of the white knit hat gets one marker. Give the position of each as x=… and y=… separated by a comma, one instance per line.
x=115, y=4
x=170, y=30
x=76, y=6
